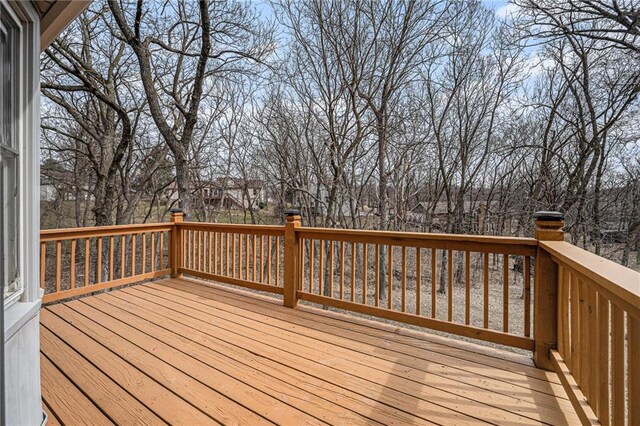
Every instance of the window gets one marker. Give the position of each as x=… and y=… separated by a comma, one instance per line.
x=9, y=156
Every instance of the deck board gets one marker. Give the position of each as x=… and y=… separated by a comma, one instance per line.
x=180, y=351
x=344, y=337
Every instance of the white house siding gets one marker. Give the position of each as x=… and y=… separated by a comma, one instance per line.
x=22, y=368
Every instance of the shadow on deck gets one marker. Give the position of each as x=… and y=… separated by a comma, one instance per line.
x=186, y=352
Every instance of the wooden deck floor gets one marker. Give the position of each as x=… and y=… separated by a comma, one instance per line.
x=181, y=352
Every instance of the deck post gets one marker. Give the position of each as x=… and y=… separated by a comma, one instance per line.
x=545, y=291
x=175, y=252
x=291, y=258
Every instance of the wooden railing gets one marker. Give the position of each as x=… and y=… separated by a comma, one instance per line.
x=598, y=334
x=397, y=276
x=79, y=261
x=249, y=256
x=583, y=320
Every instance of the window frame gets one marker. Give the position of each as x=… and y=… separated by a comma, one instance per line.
x=26, y=23
x=11, y=28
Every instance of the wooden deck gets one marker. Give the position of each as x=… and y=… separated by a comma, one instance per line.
x=182, y=352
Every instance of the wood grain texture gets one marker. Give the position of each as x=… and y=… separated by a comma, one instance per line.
x=201, y=354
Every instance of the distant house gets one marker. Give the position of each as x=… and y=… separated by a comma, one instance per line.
x=56, y=184
x=475, y=215
x=225, y=193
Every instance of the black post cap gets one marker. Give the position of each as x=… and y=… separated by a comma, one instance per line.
x=292, y=212
x=176, y=210
x=547, y=215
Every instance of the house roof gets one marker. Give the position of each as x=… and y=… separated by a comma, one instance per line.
x=55, y=16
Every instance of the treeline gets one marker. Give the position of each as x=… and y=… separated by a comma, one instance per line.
x=391, y=115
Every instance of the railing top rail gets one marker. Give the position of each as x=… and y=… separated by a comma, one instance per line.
x=490, y=244
x=619, y=281
x=233, y=227
x=101, y=231
x=422, y=236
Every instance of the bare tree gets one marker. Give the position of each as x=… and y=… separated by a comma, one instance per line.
x=179, y=47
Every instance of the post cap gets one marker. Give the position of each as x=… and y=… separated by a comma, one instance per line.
x=292, y=212
x=548, y=215
x=176, y=210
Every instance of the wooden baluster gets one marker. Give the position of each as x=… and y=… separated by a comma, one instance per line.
x=212, y=258
x=353, y=272
x=563, y=315
x=390, y=279
x=203, y=255
x=633, y=363
x=450, y=289
x=202, y=258
x=404, y=279
x=187, y=248
x=342, y=270
x=86, y=262
x=303, y=256
x=434, y=278
x=505, y=293
x=574, y=325
x=617, y=365
x=418, y=280
x=593, y=339
x=200, y=250
x=585, y=343
x=43, y=264
x=193, y=259
x=312, y=245
x=111, y=249
x=153, y=252
x=602, y=358
x=133, y=255
x=122, y=255
x=278, y=262
x=184, y=238
x=485, y=322
x=301, y=262
x=262, y=262
x=330, y=268
x=321, y=269
x=467, y=287
x=227, y=250
x=365, y=269
x=144, y=252
x=241, y=256
x=216, y=256
x=197, y=257
x=72, y=284
x=377, y=283
x=161, y=251
x=99, y=261
x=219, y=253
x=233, y=255
x=193, y=251
x=58, y=264
x=269, y=259
x=255, y=257
x=527, y=296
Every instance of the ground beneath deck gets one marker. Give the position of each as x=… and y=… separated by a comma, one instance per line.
x=180, y=351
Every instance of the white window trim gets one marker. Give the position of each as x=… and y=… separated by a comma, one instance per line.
x=21, y=309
